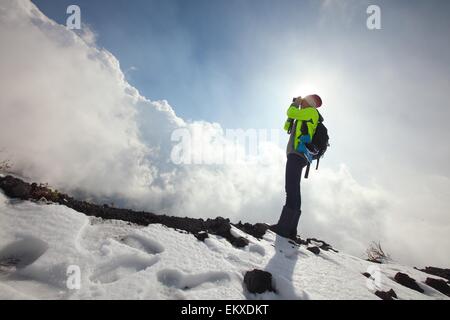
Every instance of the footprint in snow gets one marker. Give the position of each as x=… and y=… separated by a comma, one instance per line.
x=142, y=243
x=257, y=249
x=177, y=279
x=21, y=253
x=121, y=267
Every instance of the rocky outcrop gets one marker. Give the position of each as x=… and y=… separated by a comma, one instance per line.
x=407, y=281
x=439, y=284
x=201, y=235
x=320, y=244
x=386, y=295
x=439, y=272
x=257, y=230
x=16, y=188
x=314, y=250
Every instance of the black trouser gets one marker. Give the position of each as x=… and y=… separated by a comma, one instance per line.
x=294, y=167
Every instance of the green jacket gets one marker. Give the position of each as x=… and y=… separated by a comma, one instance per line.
x=310, y=115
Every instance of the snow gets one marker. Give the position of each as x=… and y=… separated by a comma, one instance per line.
x=118, y=260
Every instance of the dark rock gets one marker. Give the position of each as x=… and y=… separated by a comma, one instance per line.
x=222, y=227
x=21, y=191
x=40, y=191
x=219, y=226
x=439, y=272
x=15, y=188
x=386, y=295
x=407, y=281
x=300, y=241
x=257, y=230
x=439, y=284
x=321, y=244
x=201, y=235
x=314, y=250
x=240, y=242
x=258, y=281
x=367, y=275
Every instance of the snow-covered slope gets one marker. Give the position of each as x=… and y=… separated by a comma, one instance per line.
x=41, y=242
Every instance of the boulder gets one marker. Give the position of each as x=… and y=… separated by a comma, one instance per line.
x=257, y=230
x=201, y=235
x=15, y=188
x=321, y=244
x=239, y=242
x=258, y=281
x=407, y=281
x=386, y=295
x=439, y=284
x=314, y=250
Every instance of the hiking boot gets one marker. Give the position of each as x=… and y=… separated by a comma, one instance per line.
x=284, y=225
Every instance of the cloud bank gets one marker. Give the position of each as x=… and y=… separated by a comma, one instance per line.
x=68, y=117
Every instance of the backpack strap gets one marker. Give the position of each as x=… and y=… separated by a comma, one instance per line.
x=318, y=159
x=307, y=170
x=320, y=117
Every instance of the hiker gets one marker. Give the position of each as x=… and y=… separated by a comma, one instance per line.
x=301, y=124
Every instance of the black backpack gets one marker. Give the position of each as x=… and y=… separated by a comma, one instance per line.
x=319, y=144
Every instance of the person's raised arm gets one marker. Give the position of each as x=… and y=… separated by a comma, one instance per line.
x=290, y=121
x=294, y=113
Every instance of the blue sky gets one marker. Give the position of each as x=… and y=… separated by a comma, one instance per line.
x=203, y=56
x=196, y=54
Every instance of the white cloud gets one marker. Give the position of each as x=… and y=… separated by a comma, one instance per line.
x=68, y=117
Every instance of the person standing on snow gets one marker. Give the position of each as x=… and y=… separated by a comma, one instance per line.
x=301, y=124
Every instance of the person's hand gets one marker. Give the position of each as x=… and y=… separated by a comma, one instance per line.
x=297, y=101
